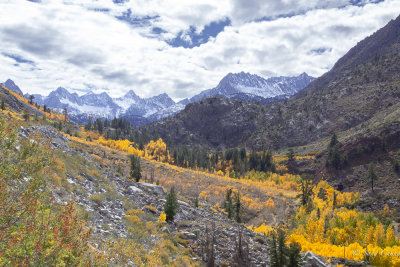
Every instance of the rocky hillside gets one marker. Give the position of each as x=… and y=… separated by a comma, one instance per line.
x=13, y=103
x=363, y=86
x=107, y=195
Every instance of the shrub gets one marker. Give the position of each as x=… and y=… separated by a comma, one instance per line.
x=97, y=198
x=151, y=209
x=133, y=219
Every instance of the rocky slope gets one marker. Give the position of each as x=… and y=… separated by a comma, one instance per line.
x=14, y=104
x=12, y=86
x=106, y=213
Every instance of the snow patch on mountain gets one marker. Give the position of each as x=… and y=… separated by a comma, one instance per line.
x=244, y=86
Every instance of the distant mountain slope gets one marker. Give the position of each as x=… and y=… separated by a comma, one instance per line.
x=141, y=111
x=246, y=86
x=137, y=110
x=363, y=84
x=12, y=86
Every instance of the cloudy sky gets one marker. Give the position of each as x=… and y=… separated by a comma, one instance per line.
x=176, y=46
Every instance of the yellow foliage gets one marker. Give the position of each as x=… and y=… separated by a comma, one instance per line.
x=157, y=150
x=163, y=217
x=262, y=229
x=57, y=179
x=386, y=210
x=390, y=237
x=150, y=227
x=134, y=212
x=151, y=208
x=94, y=173
x=220, y=173
x=53, y=115
x=354, y=251
x=332, y=232
x=122, y=145
x=133, y=219
x=379, y=235
x=270, y=203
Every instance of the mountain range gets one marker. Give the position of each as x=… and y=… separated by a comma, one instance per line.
x=141, y=111
x=361, y=90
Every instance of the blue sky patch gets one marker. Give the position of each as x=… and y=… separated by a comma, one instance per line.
x=136, y=21
x=211, y=30
x=120, y=1
x=19, y=59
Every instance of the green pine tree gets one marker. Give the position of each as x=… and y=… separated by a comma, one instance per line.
x=27, y=114
x=306, y=187
x=135, y=172
x=171, y=205
x=294, y=256
x=372, y=175
x=281, y=255
x=334, y=199
x=238, y=206
x=228, y=206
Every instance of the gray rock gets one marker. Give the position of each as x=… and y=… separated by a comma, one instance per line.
x=132, y=190
x=165, y=230
x=189, y=235
x=156, y=189
x=183, y=203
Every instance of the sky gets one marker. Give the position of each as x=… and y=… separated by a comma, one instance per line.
x=173, y=46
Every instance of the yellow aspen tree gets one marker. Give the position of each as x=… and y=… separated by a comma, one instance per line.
x=390, y=237
x=379, y=235
x=369, y=237
x=386, y=210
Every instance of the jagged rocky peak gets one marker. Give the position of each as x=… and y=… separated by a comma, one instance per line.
x=244, y=86
x=62, y=92
x=131, y=94
x=12, y=86
x=163, y=99
x=251, y=87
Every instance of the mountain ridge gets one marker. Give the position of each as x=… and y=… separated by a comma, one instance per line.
x=140, y=111
x=361, y=87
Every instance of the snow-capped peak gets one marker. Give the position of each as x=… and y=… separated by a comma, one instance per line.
x=241, y=85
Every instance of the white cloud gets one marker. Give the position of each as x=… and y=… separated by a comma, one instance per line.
x=83, y=45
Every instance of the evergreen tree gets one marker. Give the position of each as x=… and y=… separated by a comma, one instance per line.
x=294, y=256
x=281, y=255
x=372, y=175
x=238, y=206
x=171, y=205
x=277, y=249
x=135, y=172
x=196, y=201
x=291, y=155
x=306, y=189
x=334, y=199
x=397, y=167
x=334, y=140
x=228, y=203
x=27, y=114
x=334, y=157
x=31, y=97
x=3, y=107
